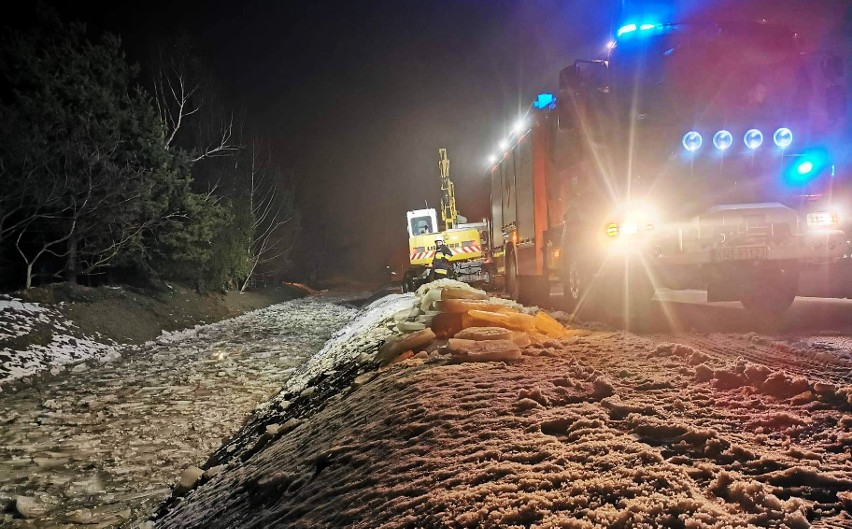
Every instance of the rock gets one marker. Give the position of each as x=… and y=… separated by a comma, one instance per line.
x=111, y=356
x=365, y=358
x=212, y=472
x=79, y=368
x=410, y=326
x=363, y=379
x=29, y=507
x=189, y=479
x=308, y=391
x=9, y=418
x=273, y=429
x=291, y=424
x=422, y=355
x=283, y=405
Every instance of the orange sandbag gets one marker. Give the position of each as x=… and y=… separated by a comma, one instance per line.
x=463, y=293
x=545, y=323
x=447, y=325
x=460, y=306
x=485, y=333
x=515, y=321
x=521, y=338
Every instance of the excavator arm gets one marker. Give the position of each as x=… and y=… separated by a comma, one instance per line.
x=449, y=215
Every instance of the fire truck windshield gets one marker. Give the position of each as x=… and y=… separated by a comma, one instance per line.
x=698, y=72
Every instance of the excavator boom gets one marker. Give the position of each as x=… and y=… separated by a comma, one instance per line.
x=449, y=215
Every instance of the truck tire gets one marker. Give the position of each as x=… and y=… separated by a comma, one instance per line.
x=772, y=290
x=575, y=284
x=409, y=281
x=513, y=280
x=527, y=290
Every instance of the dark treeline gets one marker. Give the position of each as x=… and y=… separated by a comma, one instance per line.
x=106, y=176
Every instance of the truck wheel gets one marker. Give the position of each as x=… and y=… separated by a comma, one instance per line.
x=773, y=291
x=513, y=281
x=409, y=281
x=574, y=284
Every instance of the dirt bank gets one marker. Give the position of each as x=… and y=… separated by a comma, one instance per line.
x=130, y=315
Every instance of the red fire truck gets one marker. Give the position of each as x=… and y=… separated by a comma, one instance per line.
x=694, y=156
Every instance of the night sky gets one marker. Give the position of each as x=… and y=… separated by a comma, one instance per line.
x=358, y=96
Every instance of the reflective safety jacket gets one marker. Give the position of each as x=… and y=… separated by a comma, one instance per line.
x=442, y=258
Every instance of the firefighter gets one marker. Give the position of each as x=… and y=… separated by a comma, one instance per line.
x=441, y=265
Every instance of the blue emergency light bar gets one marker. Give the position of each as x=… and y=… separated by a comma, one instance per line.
x=543, y=101
x=632, y=28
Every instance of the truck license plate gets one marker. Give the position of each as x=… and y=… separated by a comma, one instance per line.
x=742, y=253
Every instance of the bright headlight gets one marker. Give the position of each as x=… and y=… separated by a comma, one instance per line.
x=722, y=140
x=753, y=139
x=783, y=137
x=692, y=141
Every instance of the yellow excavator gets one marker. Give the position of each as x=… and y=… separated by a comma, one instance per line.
x=467, y=241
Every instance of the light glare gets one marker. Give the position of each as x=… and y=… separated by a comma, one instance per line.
x=722, y=140
x=783, y=137
x=753, y=139
x=692, y=141
x=626, y=29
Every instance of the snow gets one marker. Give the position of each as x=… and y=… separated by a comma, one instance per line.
x=50, y=340
x=605, y=430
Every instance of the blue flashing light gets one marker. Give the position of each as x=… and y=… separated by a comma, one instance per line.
x=783, y=137
x=646, y=27
x=628, y=28
x=753, y=139
x=544, y=101
x=807, y=167
x=722, y=140
x=692, y=141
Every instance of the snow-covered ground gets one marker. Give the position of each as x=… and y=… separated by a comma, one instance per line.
x=606, y=430
x=101, y=443
x=36, y=338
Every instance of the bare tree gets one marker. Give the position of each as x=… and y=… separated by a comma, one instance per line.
x=268, y=212
x=182, y=90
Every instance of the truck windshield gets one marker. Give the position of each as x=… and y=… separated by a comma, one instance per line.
x=728, y=73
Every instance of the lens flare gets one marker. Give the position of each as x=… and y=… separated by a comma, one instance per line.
x=692, y=141
x=722, y=140
x=753, y=139
x=783, y=137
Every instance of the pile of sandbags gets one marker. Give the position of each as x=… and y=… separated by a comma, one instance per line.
x=451, y=317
